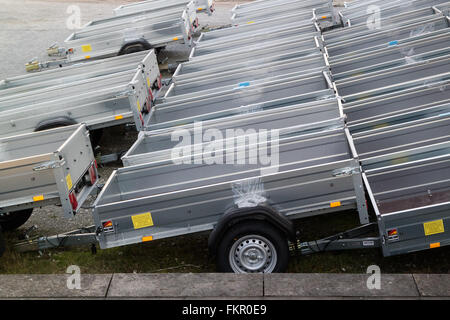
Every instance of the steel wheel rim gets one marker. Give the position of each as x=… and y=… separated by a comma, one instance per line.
x=253, y=254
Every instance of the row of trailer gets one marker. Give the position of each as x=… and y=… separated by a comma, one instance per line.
x=299, y=109
x=51, y=120
x=110, y=77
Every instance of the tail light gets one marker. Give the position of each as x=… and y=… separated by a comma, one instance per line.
x=73, y=200
x=392, y=232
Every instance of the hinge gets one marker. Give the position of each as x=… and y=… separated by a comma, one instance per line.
x=49, y=165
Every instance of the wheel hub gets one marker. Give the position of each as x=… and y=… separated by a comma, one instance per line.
x=253, y=253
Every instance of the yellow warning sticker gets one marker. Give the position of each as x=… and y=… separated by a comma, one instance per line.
x=69, y=182
x=119, y=117
x=142, y=220
x=148, y=82
x=86, y=48
x=38, y=198
x=250, y=22
x=433, y=227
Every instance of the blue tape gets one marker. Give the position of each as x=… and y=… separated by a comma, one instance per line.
x=244, y=84
x=393, y=43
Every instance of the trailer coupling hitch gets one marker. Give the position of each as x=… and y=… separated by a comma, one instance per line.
x=26, y=234
x=55, y=50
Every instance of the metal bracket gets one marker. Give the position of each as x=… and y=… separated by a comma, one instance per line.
x=125, y=93
x=347, y=171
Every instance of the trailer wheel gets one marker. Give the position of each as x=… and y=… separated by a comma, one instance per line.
x=12, y=220
x=253, y=247
x=2, y=243
x=134, y=46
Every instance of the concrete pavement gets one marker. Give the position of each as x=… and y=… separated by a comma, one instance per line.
x=225, y=286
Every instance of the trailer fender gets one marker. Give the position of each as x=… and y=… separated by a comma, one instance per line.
x=236, y=215
x=134, y=46
x=54, y=123
x=15, y=219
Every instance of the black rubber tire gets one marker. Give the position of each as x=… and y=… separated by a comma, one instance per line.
x=253, y=227
x=56, y=124
x=2, y=243
x=15, y=219
x=131, y=49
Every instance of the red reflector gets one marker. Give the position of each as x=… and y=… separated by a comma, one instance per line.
x=96, y=165
x=93, y=174
x=142, y=119
x=73, y=200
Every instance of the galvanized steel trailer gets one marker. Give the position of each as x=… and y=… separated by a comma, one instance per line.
x=243, y=52
x=418, y=102
x=339, y=34
x=365, y=12
x=410, y=193
x=262, y=4
x=385, y=38
x=397, y=78
x=289, y=48
x=124, y=34
x=200, y=5
x=412, y=216
x=216, y=35
x=99, y=102
x=202, y=106
x=52, y=167
x=386, y=58
x=244, y=76
x=76, y=72
x=113, y=36
x=247, y=40
x=280, y=7
x=308, y=165
x=186, y=74
x=156, y=145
